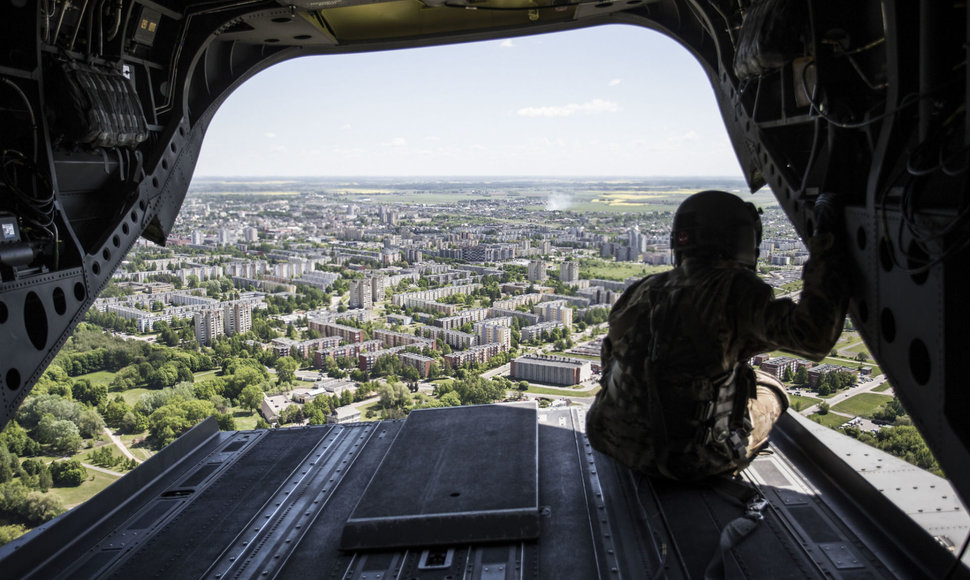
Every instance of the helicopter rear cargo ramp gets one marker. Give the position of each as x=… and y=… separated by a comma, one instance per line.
x=534, y=500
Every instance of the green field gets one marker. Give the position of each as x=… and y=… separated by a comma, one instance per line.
x=132, y=396
x=244, y=418
x=565, y=392
x=374, y=407
x=862, y=405
x=806, y=402
x=830, y=420
x=570, y=355
x=98, y=378
x=86, y=455
x=883, y=387
x=94, y=483
x=601, y=269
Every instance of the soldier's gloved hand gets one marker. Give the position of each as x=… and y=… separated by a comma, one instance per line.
x=828, y=214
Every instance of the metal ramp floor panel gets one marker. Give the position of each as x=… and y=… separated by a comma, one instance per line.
x=275, y=504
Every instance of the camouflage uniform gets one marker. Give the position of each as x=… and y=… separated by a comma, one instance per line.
x=678, y=398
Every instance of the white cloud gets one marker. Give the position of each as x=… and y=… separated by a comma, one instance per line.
x=507, y=43
x=395, y=142
x=348, y=151
x=615, y=82
x=270, y=135
x=594, y=107
x=279, y=149
x=688, y=136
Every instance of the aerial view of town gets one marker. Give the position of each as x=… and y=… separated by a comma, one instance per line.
x=280, y=303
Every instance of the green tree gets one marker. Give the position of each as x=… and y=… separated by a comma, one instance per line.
x=171, y=420
x=823, y=408
x=92, y=395
x=226, y=421
x=68, y=473
x=286, y=370
x=251, y=397
x=291, y=414
x=394, y=396
x=410, y=373
x=133, y=422
x=8, y=464
x=115, y=410
x=11, y=532
x=35, y=407
x=60, y=435
x=18, y=441
x=451, y=399
x=41, y=507
x=90, y=423
x=44, y=479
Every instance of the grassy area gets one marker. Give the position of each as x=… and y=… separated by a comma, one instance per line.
x=203, y=374
x=570, y=355
x=862, y=405
x=244, y=418
x=562, y=392
x=86, y=455
x=98, y=378
x=375, y=408
x=92, y=485
x=131, y=396
x=860, y=347
x=830, y=420
x=590, y=268
x=136, y=444
x=883, y=387
x=803, y=401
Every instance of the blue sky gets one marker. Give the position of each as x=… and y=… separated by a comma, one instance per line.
x=607, y=101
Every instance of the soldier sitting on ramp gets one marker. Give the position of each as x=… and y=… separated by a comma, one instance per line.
x=678, y=398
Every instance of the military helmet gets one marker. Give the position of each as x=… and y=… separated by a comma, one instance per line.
x=716, y=225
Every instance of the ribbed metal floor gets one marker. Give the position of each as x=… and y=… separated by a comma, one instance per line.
x=275, y=504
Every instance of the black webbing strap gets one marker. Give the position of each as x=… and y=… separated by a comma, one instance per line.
x=739, y=528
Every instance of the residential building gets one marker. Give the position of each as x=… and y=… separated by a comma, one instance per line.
x=553, y=370
x=537, y=271
x=238, y=317
x=361, y=294
x=777, y=366
x=209, y=325
x=569, y=272
x=420, y=362
x=555, y=311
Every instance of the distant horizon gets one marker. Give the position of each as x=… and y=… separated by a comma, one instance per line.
x=258, y=178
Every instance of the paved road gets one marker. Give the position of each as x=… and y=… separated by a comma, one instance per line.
x=121, y=445
x=502, y=370
x=102, y=470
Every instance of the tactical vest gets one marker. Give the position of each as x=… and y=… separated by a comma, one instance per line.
x=667, y=407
